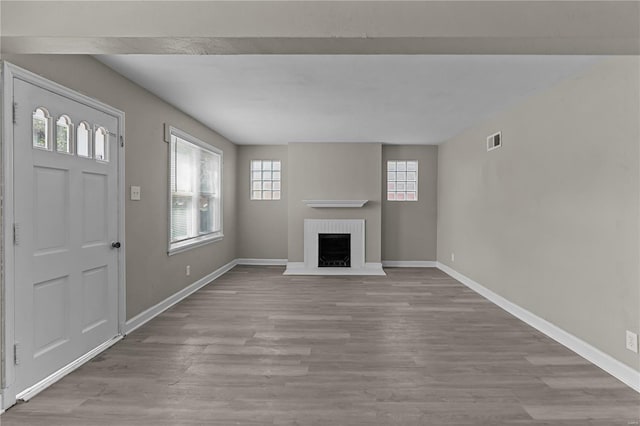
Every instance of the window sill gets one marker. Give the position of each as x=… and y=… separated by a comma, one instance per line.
x=194, y=243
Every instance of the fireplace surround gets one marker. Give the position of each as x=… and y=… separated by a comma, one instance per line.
x=357, y=265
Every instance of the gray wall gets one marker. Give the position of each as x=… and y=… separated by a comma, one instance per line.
x=262, y=225
x=151, y=275
x=409, y=229
x=330, y=171
x=550, y=220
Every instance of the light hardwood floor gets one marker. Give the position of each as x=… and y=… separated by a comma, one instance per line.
x=257, y=348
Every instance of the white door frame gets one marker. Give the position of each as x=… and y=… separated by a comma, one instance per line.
x=7, y=279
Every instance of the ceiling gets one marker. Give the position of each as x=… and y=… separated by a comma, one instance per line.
x=396, y=99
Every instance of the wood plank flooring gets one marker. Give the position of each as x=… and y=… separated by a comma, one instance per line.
x=258, y=348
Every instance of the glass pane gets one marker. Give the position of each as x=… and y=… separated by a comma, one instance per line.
x=257, y=175
x=257, y=185
x=185, y=167
x=82, y=140
x=100, y=145
x=400, y=196
x=266, y=195
x=391, y=166
x=411, y=186
x=391, y=195
x=411, y=196
x=256, y=165
x=207, y=164
x=206, y=214
x=411, y=176
x=276, y=175
x=276, y=165
x=63, y=135
x=402, y=166
x=412, y=166
x=257, y=195
x=400, y=186
x=401, y=176
x=266, y=175
x=180, y=217
x=40, y=129
x=276, y=195
x=391, y=176
x=266, y=165
x=266, y=185
x=276, y=186
x=391, y=186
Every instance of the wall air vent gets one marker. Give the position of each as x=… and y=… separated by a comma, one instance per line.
x=494, y=141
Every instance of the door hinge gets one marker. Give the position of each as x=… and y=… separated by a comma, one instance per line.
x=16, y=353
x=15, y=112
x=16, y=234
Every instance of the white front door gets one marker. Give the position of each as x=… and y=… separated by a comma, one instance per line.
x=66, y=219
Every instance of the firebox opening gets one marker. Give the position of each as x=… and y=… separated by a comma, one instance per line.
x=334, y=250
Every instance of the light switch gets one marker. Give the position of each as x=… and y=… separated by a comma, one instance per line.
x=135, y=193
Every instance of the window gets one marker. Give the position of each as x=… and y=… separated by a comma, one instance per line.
x=265, y=180
x=101, y=145
x=41, y=119
x=402, y=180
x=82, y=140
x=63, y=135
x=195, y=192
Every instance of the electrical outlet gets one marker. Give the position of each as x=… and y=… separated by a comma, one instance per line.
x=135, y=193
x=632, y=341
x=453, y=257
x=188, y=270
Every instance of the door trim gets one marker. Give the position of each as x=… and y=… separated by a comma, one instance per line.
x=7, y=278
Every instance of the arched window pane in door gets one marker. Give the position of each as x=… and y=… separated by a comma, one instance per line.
x=63, y=135
x=41, y=128
x=100, y=143
x=83, y=140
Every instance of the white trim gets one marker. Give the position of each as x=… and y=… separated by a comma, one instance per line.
x=409, y=263
x=261, y=262
x=299, y=268
x=335, y=203
x=617, y=369
x=29, y=393
x=9, y=72
x=192, y=243
x=149, y=314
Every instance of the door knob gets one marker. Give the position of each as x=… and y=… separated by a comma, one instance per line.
x=115, y=244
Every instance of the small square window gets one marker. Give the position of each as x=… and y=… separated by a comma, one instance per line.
x=265, y=179
x=402, y=180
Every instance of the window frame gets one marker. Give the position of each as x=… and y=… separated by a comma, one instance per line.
x=200, y=240
x=386, y=192
x=251, y=180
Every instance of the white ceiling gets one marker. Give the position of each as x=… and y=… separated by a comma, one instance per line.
x=397, y=99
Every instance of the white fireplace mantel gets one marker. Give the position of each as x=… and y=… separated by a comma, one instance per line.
x=335, y=203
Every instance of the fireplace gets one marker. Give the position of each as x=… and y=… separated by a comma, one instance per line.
x=334, y=250
x=347, y=238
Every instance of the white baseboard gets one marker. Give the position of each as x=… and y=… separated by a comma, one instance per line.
x=617, y=369
x=29, y=393
x=147, y=315
x=298, y=268
x=409, y=263
x=261, y=262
